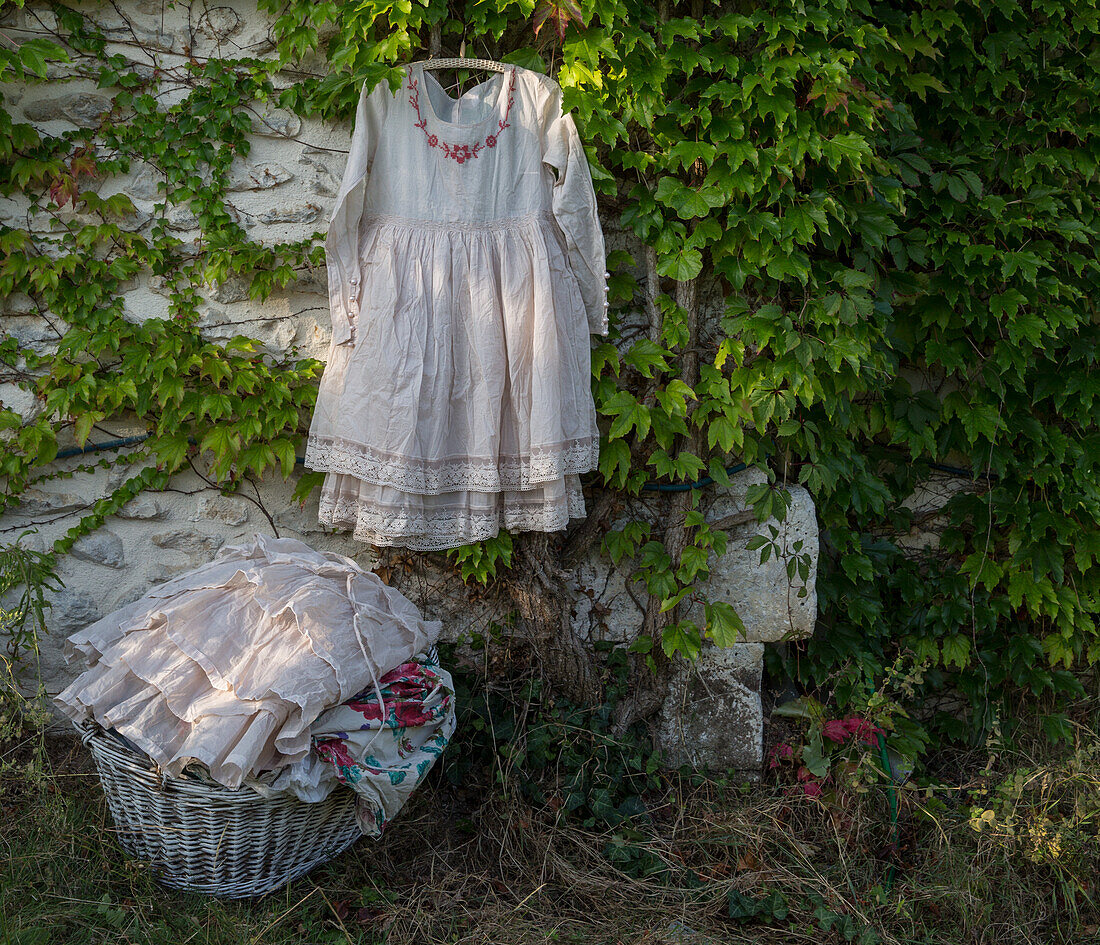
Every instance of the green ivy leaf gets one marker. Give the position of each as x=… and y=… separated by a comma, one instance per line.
x=681, y=637
x=83, y=426
x=682, y=266
x=629, y=415
x=284, y=450
x=956, y=651
x=724, y=626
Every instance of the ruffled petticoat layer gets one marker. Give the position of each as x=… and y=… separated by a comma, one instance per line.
x=383, y=515
x=230, y=664
x=463, y=404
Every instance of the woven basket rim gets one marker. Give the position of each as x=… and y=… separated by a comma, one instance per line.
x=143, y=768
x=177, y=824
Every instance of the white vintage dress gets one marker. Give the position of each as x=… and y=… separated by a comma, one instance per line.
x=466, y=273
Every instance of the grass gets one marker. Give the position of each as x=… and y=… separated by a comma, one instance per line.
x=539, y=827
x=485, y=854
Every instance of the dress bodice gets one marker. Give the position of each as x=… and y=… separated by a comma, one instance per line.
x=485, y=165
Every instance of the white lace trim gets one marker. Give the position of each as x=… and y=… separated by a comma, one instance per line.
x=428, y=477
x=441, y=529
x=501, y=223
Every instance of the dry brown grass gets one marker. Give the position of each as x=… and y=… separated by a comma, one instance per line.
x=480, y=864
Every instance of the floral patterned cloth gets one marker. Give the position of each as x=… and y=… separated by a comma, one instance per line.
x=381, y=753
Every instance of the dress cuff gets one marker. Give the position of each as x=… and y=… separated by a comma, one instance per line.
x=597, y=320
x=345, y=316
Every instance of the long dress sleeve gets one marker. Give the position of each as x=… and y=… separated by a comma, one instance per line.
x=574, y=207
x=342, y=241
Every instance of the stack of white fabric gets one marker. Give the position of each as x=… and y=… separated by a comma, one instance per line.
x=245, y=664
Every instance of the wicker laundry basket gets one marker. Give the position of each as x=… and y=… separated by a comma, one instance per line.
x=207, y=838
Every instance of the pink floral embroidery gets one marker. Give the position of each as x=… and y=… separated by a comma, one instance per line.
x=460, y=153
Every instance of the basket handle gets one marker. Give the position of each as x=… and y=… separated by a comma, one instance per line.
x=90, y=729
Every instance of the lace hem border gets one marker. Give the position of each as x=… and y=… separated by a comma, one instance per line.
x=444, y=528
x=423, y=477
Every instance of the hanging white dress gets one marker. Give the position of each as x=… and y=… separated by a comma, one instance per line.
x=466, y=273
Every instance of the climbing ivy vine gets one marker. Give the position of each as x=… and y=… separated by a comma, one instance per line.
x=996, y=333
x=236, y=407
x=864, y=253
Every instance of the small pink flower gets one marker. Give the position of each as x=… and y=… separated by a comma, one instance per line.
x=835, y=730
x=491, y=141
x=432, y=141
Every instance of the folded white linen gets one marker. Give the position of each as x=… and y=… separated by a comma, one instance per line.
x=230, y=664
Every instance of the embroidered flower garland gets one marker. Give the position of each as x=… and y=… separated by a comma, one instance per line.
x=461, y=153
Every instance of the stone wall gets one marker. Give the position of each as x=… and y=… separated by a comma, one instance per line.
x=284, y=191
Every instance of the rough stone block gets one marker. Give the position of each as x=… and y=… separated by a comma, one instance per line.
x=298, y=213
x=145, y=184
x=712, y=718
x=303, y=520
x=224, y=509
x=233, y=289
x=164, y=571
x=100, y=547
x=191, y=543
x=183, y=218
x=37, y=501
x=23, y=402
x=766, y=598
x=142, y=507
x=276, y=123
x=258, y=176
x=275, y=334
x=72, y=611
x=324, y=184
x=81, y=108
x=32, y=332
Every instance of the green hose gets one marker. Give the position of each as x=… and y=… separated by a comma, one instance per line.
x=892, y=795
